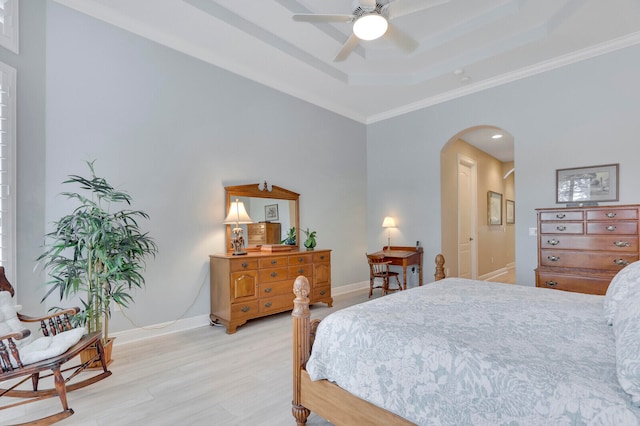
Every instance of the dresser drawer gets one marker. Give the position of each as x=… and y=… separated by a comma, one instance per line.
x=273, y=274
x=618, y=228
x=586, y=259
x=273, y=262
x=321, y=257
x=562, y=228
x=243, y=264
x=300, y=259
x=589, y=285
x=306, y=270
x=321, y=292
x=612, y=214
x=561, y=215
x=277, y=303
x=275, y=289
x=591, y=242
x=244, y=310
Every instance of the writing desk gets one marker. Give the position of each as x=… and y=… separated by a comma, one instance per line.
x=403, y=256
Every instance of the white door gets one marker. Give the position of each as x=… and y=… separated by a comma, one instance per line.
x=467, y=218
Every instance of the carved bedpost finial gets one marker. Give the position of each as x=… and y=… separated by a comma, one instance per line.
x=301, y=344
x=439, y=267
x=301, y=289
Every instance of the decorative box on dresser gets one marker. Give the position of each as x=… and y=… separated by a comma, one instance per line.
x=260, y=283
x=581, y=248
x=264, y=233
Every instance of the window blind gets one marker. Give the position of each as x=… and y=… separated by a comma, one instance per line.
x=8, y=171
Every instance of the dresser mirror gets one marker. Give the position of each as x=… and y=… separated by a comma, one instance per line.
x=273, y=212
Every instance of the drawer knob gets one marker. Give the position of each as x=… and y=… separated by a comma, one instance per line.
x=321, y=257
x=273, y=262
x=551, y=283
x=323, y=292
x=621, y=244
x=553, y=242
x=621, y=262
x=300, y=271
x=561, y=215
x=274, y=274
x=300, y=260
x=267, y=290
x=561, y=228
x=245, y=309
x=245, y=264
x=611, y=228
x=267, y=305
x=553, y=258
x=610, y=215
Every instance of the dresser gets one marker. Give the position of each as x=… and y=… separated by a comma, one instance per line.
x=581, y=249
x=260, y=284
x=264, y=233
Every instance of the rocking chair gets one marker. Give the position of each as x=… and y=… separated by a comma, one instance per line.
x=24, y=357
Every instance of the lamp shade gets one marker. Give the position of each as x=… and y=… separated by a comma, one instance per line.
x=370, y=27
x=237, y=213
x=388, y=222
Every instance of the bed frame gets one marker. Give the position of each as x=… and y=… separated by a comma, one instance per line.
x=324, y=397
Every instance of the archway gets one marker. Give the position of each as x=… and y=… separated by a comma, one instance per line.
x=472, y=166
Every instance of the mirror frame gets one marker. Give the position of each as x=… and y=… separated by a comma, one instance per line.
x=255, y=191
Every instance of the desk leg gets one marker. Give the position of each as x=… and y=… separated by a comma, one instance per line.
x=404, y=273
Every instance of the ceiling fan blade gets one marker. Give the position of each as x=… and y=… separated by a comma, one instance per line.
x=399, y=8
x=347, y=48
x=400, y=39
x=310, y=17
x=367, y=5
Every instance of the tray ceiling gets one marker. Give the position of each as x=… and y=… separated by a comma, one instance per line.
x=464, y=45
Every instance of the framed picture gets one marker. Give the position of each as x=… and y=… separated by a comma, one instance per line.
x=494, y=208
x=587, y=184
x=271, y=212
x=511, y=212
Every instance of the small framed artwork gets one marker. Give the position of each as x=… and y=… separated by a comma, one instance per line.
x=271, y=212
x=587, y=184
x=511, y=212
x=494, y=208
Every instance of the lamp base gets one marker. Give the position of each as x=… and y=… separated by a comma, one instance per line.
x=240, y=253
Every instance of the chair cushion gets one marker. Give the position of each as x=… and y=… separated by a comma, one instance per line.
x=34, y=349
x=50, y=346
x=9, y=322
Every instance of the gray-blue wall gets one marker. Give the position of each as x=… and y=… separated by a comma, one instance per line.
x=173, y=131
x=579, y=115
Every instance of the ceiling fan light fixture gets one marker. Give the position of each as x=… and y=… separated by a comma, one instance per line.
x=370, y=26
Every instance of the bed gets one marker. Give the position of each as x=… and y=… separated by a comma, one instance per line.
x=466, y=352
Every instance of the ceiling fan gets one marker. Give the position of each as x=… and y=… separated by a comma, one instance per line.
x=371, y=20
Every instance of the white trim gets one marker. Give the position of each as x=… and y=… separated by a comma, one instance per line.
x=8, y=76
x=9, y=29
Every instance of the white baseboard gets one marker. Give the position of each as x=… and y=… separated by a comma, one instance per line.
x=138, y=334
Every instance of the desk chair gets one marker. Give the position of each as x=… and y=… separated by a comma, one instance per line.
x=379, y=269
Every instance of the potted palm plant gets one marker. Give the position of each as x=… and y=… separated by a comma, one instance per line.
x=97, y=252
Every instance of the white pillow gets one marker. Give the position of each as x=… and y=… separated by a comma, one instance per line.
x=619, y=288
x=627, y=334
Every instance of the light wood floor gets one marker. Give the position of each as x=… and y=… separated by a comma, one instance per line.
x=198, y=377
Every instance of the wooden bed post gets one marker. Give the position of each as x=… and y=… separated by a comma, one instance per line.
x=439, y=267
x=301, y=344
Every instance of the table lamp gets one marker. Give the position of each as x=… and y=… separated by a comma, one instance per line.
x=389, y=223
x=237, y=214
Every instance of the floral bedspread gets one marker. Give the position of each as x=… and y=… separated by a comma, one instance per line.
x=464, y=352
